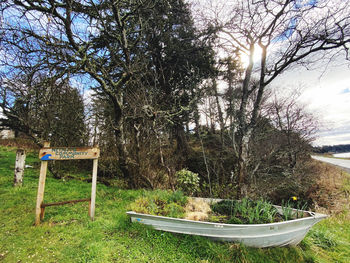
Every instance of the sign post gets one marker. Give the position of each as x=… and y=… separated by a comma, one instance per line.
x=93, y=189
x=65, y=153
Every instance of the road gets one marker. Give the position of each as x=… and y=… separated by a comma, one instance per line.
x=345, y=164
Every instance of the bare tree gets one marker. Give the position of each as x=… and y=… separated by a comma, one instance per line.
x=37, y=107
x=273, y=36
x=296, y=124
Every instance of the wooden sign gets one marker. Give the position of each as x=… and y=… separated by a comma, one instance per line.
x=63, y=153
x=69, y=153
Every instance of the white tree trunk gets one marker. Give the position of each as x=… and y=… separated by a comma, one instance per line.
x=19, y=167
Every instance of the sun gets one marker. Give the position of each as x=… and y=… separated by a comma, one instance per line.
x=256, y=57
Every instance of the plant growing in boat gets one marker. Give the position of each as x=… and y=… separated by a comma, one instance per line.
x=289, y=212
x=258, y=234
x=246, y=211
x=162, y=203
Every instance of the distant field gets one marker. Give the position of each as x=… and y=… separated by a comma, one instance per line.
x=67, y=235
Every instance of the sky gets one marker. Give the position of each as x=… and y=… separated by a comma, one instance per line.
x=326, y=94
x=325, y=90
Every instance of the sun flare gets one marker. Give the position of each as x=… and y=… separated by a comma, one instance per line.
x=256, y=57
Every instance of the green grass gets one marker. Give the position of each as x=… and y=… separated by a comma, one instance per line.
x=67, y=235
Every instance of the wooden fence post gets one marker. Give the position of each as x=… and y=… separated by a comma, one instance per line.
x=41, y=188
x=19, y=167
x=93, y=189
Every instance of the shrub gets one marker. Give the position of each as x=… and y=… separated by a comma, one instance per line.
x=187, y=181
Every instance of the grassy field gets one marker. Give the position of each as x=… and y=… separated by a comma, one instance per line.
x=67, y=234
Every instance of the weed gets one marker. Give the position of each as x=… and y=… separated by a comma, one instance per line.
x=346, y=186
x=323, y=239
x=141, y=205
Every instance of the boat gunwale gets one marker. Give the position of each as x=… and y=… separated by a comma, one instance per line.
x=311, y=217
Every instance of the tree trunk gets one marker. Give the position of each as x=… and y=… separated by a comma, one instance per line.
x=121, y=151
x=206, y=166
x=95, y=130
x=221, y=118
x=242, y=171
x=119, y=135
x=211, y=116
x=196, y=117
x=181, y=141
x=19, y=167
x=137, y=153
x=187, y=126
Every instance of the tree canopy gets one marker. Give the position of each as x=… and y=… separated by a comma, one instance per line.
x=155, y=79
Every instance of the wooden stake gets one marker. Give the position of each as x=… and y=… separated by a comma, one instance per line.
x=19, y=167
x=93, y=188
x=41, y=189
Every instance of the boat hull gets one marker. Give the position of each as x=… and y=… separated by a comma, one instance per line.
x=278, y=234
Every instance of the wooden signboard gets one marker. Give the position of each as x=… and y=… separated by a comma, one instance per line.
x=63, y=153
x=69, y=153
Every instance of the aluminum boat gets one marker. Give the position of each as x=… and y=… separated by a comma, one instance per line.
x=277, y=234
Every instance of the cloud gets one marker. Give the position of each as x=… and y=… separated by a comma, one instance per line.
x=326, y=93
